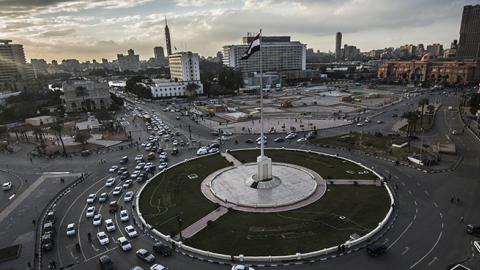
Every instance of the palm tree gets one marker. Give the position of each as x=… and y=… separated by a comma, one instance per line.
x=431, y=110
x=412, y=118
x=422, y=103
x=58, y=128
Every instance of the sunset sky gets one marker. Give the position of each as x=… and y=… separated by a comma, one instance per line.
x=95, y=29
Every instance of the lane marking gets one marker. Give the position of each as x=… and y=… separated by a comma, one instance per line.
x=12, y=196
x=426, y=193
x=428, y=253
x=415, y=202
x=441, y=215
x=435, y=204
x=400, y=236
x=405, y=251
x=432, y=261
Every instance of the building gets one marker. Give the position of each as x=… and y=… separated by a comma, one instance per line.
x=85, y=95
x=159, y=56
x=435, y=50
x=279, y=54
x=40, y=67
x=130, y=62
x=408, y=51
x=338, y=46
x=71, y=65
x=166, y=88
x=184, y=66
x=167, y=38
x=15, y=73
x=430, y=70
x=350, y=52
x=469, y=43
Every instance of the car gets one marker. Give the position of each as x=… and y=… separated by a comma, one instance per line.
x=379, y=121
x=214, y=145
x=7, y=186
x=135, y=174
x=131, y=231
x=71, y=231
x=47, y=242
x=113, y=169
x=260, y=142
x=265, y=138
x=124, y=244
x=113, y=207
x=162, y=249
x=151, y=156
x=202, y=151
x=124, y=215
x=145, y=255
x=175, y=143
x=128, y=196
x=140, y=166
x=102, y=238
x=49, y=228
x=473, y=229
x=85, y=153
x=158, y=267
x=174, y=151
x=106, y=263
x=454, y=132
x=103, y=197
x=110, y=182
x=125, y=175
x=394, y=115
x=139, y=158
x=127, y=183
x=109, y=225
x=124, y=160
x=376, y=249
x=97, y=220
x=50, y=217
x=117, y=191
x=91, y=198
x=302, y=139
x=279, y=139
x=90, y=212
x=242, y=267
x=290, y=136
x=213, y=150
x=162, y=165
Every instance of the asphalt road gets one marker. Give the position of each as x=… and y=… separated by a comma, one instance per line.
x=427, y=232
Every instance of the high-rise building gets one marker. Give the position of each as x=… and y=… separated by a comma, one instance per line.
x=184, y=66
x=279, y=54
x=40, y=67
x=15, y=73
x=350, y=52
x=338, y=47
x=159, y=56
x=167, y=38
x=469, y=44
x=130, y=62
x=435, y=50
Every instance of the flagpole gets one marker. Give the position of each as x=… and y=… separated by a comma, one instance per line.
x=261, y=99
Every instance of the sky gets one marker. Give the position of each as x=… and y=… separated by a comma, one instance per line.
x=95, y=29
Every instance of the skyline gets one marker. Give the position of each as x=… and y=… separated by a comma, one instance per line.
x=87, y=29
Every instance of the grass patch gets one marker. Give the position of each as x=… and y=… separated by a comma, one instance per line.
x=327, y=167
x=313, y=227
x=173, y=196
x=375, y=144
x=10, y=253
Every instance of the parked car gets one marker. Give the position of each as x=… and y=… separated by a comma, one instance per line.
x=279, y=139
x=202, y=151
x=158, y=267
x=162, y=249
x=242, y=267
x=47, y=242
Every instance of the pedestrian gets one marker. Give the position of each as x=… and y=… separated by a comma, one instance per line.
x=452, y=199
x=461, y=219
x=458, y=200
x=31, y=160
x=33, y=221
x=29, y=265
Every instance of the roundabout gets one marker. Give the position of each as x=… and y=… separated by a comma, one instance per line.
x=299, y=214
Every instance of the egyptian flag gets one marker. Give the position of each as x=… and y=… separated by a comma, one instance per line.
x=253, y=47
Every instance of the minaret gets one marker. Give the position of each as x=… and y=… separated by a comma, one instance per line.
x=167, y=38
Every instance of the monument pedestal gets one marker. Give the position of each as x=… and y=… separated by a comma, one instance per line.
x=264, y=168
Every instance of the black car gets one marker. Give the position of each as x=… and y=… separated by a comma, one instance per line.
x=162, y=249
x=49, y=228
x=473, y=229
x=174, y=151
x=47, y=242
x=85, y=153
x=249, y=141
x=125, y=175
x=376, y=249
x=214, y=145
x=106, y=263
x=279, y=139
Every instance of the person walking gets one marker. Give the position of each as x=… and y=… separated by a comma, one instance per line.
x=461, y=219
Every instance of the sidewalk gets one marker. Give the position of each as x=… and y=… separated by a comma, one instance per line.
x=231, y=158
x=203, y=222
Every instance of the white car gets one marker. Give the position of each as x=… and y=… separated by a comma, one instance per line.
x=127, y=183
x=7, y=186
x=124, y=243
x=91, y=198
x=290, y=136
x=139, y=158
x=162, y=165
x=117, y=191
x=131, y=231
x=90, y=212
x=135, y=174
x=103, y=197
x=110, y=182
x=202, y=151
x=259, y=138
x=140, y=166
x=103, y=238
x=113, y=169
x=302, y=139
x=128, y=196
x=175, y=143
x=158, y=267
x=97, y=220
x=124, y=215
x=109, y=225
x=71, y=231
x=242, y=267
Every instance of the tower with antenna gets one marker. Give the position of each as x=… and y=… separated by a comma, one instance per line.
x=167, y=38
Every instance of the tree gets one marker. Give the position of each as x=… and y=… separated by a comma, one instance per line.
x=191, y=90
x=431, y=110
x=133, y=86
x=474, y=103
x=58, y=128
x=422, y=103
x=412, y=118
x=82, y=137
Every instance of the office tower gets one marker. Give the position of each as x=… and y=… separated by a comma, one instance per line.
x=15, y=73
x=167, y=38
x=129, y=62
x=338, y=47
x=184, y=66
x=469, y=43
x=159, y=55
